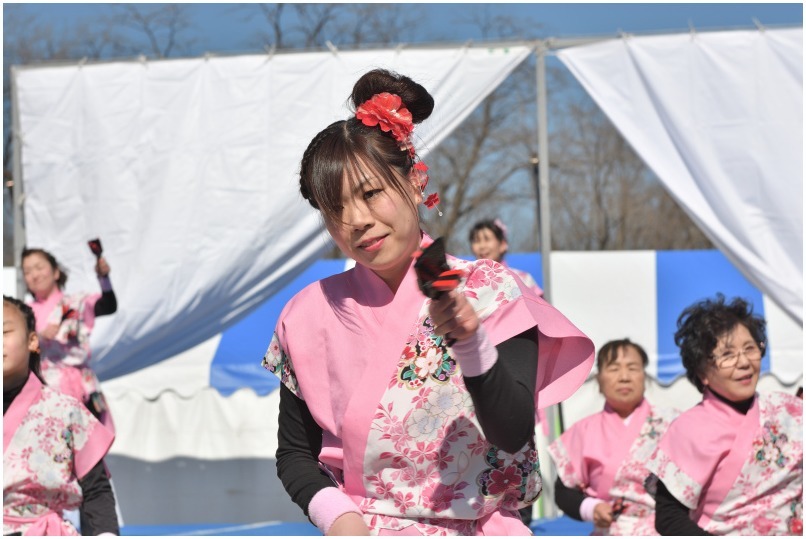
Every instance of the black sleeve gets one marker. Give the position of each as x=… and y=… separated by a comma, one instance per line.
x=672, y=517
x=508, y=387
x=299, y=442
x=97, y=511
x=568, y=499
x=108, y=303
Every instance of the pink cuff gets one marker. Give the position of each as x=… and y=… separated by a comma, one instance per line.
x=586, y=508
x=475, y=355
x=329, y=504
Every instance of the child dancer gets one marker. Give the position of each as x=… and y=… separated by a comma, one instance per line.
x=53, y=448
x=401, y=414
x=64, y=323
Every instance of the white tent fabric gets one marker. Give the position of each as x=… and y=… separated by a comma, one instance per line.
x=719, y=117
x=186, y=171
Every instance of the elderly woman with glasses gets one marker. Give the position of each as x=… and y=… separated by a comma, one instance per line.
x=733, y=464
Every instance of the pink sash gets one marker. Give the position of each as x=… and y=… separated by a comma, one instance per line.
x=49, y=524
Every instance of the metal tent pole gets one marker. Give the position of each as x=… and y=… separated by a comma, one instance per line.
x=17, y=190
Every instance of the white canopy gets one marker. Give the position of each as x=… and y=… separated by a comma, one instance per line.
x=186, y=170
x=718, y=116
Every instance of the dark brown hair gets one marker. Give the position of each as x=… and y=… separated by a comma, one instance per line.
x=349, y=146
x=62, y=280
x=490, y=225
x=701, y=325
x=610, y=351
x=34, y=359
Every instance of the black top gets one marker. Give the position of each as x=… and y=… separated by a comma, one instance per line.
x=97, y=511
x=671, y=516
x=509, y=385
x=568, y=499
x=107, y=304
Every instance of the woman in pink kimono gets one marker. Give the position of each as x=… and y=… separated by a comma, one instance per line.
x=733, y=464
x=400, y=414
x=601, y=459
x=64, y=323
x=53, y=448
x=488, y=239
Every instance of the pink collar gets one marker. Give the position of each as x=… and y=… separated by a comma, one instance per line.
x=44, y=308
x=19, y=407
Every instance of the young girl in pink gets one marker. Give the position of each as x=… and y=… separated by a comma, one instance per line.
x=601, y=459
x=733, y=464
x=402, y=415
x=488, y=239
x=53, y=448
x=64, y=323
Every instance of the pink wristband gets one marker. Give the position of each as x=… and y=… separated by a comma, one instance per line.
x=586, y=508
x=475, y=355
x=329, y=504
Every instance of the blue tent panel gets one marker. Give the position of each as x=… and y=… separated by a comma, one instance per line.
x=236, y=363
x=683, y=278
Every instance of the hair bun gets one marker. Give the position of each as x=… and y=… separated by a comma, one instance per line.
x=414, y=96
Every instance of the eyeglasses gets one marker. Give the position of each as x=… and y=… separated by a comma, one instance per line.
x=728, y=360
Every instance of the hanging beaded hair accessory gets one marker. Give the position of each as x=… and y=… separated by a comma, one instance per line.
x=387, y=111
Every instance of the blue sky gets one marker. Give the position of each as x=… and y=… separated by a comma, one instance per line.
x=223, y=27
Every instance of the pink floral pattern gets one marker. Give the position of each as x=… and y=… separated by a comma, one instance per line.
x=426, y=447
x=278, y=362
x=767, y=496
x=638, y=516
x=38, y=466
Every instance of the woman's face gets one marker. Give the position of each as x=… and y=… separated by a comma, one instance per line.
x=735, y=365
x=622, y=381
x=379, y=227
x=40, y=277
x=486, y=245
x=17, y=346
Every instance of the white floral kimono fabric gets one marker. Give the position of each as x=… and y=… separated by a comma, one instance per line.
x=400, y=431
x=50, y=441
x=738, y=474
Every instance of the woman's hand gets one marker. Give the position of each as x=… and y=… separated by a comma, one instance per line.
x=348, y=524
x=49, y=332
x=453, y=316
x=101, y=267
x=602, y=515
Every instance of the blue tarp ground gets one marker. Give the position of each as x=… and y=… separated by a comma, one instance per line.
x=551, y=527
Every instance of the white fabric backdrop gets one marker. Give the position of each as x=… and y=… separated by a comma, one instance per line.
x=719, y=117
x=186, y=170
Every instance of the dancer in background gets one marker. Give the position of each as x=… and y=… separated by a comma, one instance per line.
x=601, y=459
x=401, y=414
x=732, y=464
x=64, y=323
x=488, y=240
x=53, y=448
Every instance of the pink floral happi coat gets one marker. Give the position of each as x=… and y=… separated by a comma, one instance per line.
x=755, y=487
x=65, y=357
x=591, y=442
x=401, y=434
x=50, y=440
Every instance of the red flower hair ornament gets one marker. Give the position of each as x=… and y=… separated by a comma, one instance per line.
x=387, y=111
